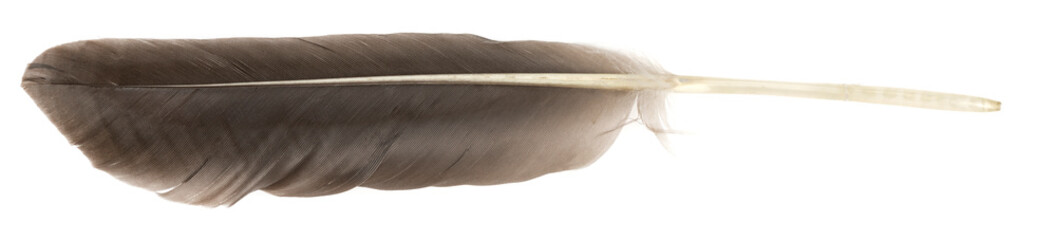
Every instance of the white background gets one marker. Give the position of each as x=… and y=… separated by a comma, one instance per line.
x=757, y=168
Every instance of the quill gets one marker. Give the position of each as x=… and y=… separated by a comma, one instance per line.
x=207, y=122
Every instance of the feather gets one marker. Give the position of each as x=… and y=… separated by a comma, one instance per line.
x=207, y=122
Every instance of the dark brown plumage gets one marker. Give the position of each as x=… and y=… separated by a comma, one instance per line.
x=212, y=146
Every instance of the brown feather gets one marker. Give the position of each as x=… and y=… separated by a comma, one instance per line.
x=213, y=146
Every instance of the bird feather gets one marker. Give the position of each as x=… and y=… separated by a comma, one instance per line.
x=207, y=122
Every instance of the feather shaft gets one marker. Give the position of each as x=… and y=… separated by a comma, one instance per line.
x=683, y=84
x=566, y=80
x=845, y=92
